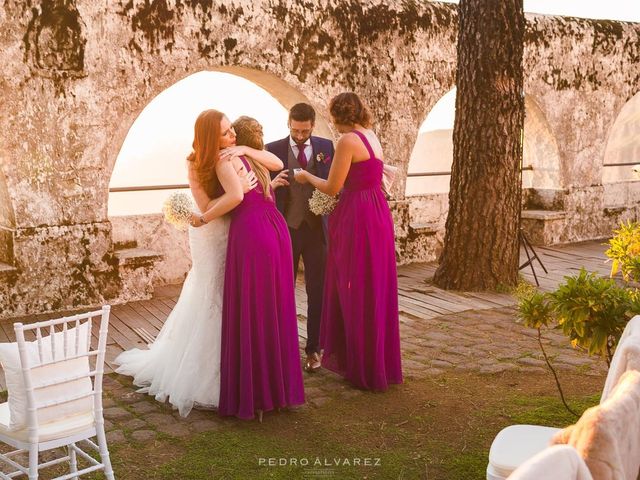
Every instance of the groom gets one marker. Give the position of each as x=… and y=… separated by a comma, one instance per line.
x=308, y=231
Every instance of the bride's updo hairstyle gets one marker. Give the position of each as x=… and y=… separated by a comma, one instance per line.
x=347, y=109
x=206, y=149
x=249, y=133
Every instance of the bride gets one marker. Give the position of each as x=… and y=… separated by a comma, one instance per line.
x=183, y=364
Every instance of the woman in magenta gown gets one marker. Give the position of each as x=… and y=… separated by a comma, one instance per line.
x=260, y=358
x=359, y=326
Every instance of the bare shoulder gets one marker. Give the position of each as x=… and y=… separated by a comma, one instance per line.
x=223, y=164
x=348, y=140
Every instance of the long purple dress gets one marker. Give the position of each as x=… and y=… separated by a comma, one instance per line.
x=260, y=359
x=359, y=326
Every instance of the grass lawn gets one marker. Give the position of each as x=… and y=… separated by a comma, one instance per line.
x=434, y=428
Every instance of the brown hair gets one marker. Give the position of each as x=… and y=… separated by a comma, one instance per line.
x=206, y=149
x=249, y=133
x=347, y=109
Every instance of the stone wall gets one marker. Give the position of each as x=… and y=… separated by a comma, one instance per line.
x=76, y=74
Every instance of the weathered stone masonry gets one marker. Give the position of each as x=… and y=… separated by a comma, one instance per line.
x=77, y=73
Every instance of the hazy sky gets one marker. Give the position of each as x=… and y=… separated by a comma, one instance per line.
x=628, y=10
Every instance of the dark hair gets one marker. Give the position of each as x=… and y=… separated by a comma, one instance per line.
x=301, y=112
x=347, y=109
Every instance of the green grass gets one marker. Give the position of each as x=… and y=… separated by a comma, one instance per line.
x=251, y=453
x=548, y=411
x=437, y=429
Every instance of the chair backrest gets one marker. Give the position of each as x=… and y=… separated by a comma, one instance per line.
x=56, y=368
x=626, y=356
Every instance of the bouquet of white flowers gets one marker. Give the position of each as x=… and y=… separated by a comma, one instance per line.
x=177, y=210
x=321, y=203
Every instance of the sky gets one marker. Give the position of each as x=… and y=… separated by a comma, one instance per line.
x=627, y=10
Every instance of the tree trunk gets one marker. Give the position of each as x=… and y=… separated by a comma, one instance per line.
x=481, y=246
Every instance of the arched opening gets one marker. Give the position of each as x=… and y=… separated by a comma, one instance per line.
x=151, y=162
x=7, y=225
x=432, y=155
x=621, y=166
x=152, y=156
x=541, y=158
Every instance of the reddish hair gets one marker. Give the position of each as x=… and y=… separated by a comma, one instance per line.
x=206, y=149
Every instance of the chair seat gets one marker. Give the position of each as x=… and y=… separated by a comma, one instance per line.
x=49, y=431
x=514, y=445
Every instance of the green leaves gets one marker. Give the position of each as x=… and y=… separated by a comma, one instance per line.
x=535, y=310
x=590, y=310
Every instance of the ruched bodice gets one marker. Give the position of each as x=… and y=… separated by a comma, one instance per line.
x=364, y=175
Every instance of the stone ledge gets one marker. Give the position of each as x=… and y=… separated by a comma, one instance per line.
x=7, y=270
x=425, y=228
x=618, y=210
x=543, y=214
x=137, y=257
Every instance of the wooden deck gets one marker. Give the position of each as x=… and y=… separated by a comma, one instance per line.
x=136, y=324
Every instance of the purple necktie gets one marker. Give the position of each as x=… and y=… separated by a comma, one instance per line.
x=302, y=158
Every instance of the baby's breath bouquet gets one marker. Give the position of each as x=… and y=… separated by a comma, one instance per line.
x=321, y=203
x=177, y=210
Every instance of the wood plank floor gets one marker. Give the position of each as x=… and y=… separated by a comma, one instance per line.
x=134, y=324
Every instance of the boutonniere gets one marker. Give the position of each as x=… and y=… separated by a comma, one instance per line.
x=321, y=157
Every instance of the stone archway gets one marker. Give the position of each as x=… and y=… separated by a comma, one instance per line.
x=142, y=237
x=433, y=150
x=540, y=150
x=286, y=94
x=621, y=156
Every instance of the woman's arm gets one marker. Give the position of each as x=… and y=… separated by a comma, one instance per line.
x=199, y=194
x=248, y=182
x=340, y=166
x=229, y=200
x=263, y=157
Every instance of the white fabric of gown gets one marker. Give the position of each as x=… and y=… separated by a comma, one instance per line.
x=183, y=364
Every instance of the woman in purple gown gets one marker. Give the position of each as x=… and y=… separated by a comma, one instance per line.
x=259, y=365
x=359, y=325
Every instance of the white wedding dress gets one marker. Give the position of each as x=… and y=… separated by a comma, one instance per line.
x=183, y=364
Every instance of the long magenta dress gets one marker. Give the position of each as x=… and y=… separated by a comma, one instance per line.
x=359, y=326
x=260, y=358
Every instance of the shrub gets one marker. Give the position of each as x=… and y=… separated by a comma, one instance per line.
x=624, y=251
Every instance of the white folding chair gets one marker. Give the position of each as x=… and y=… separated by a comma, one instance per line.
x=516, y=443
x=52, y=400
x=558, y=462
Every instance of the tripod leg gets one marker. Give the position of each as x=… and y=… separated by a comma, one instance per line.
x=529, y=261
x=535, y=254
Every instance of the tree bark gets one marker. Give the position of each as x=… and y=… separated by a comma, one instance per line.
x=481, y=244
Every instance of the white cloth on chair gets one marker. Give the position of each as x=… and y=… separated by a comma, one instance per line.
x=559, y=462
x=608, y=436
x=626, y=356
